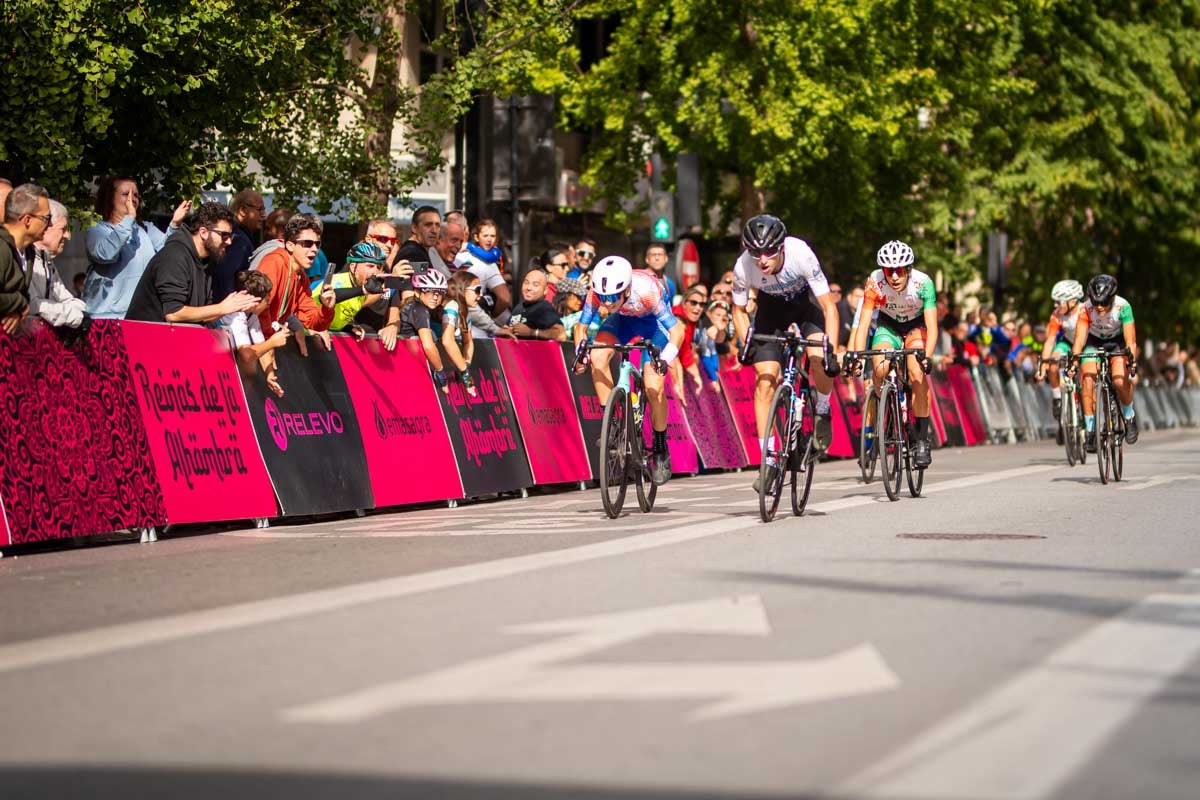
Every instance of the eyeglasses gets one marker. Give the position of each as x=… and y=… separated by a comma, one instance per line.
x=226, y=236
x=308, y=244
x=585, y=254
x=384, y=239
x=890, y=271
x=438, y=292
x=559, y=264
x=259, y=209
x=610, y=298
x=695, y=303
x=45, y=218
x=477, y=289
x=757, y=253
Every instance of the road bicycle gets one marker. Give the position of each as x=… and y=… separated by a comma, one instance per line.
x=1070, y=415
x=788, y=447
x=1110, y=422
x=892, y=440
x=868, y=454
x=624, y=448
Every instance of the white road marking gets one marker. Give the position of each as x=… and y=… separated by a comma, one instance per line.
x=1029, y=736
x=98, y=641
x=1157, y=480
x=535, y=672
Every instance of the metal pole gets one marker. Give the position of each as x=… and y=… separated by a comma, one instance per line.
x=514, y=183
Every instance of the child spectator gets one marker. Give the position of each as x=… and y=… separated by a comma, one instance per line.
x=249, y=342
x=462, y=295
x=416, y=323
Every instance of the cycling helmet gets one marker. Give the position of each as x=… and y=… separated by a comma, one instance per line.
x=895, y=254
x=431, y=281
x=1102, y=289
x=612, y=275
x=366, y=253
x=1067, y=290
x=764, y=233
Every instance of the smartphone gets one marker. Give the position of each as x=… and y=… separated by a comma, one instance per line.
x=275, y=326
x=420, y=267
x=329, y=273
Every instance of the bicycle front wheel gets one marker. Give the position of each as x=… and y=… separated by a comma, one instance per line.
x=1066, y=421
x=646, y=490
x=868, y=453
x=773, y=469
x=889, y=437
x=1116, y=452
x=1103, y=459
x=614, y=453
x=915, y=477
x=805, y=455
x=1080, y=433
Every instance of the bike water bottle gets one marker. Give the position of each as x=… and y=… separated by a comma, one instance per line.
x=797, y=406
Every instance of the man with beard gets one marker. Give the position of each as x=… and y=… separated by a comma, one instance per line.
x=247, y=208
x=177, y=283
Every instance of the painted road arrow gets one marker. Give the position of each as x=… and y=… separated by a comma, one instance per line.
x=535, y=674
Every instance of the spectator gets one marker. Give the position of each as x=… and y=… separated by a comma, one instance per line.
x=358, y=287
x=26, y=216
x=483, y=259
x=5, y=187
x=656, y=259
x=462, y=294
x=415, y=323
x=555, y=263
x=709, y=336
x=965, y=351
x=287, y=266
x=845, y=316
x=119, y=247
x=856, y=297
x=249, y=343
x=423, y=235
x=534, y=317
x=177, y=283
x=48, y=297
x=565, y=248
x=689, y=313
x=568, y=302
x=585, y=256
x=451, y=238
x=398, y=277
x=247, y=208
x=77, y=284
x=458, y=218
x=274, y=223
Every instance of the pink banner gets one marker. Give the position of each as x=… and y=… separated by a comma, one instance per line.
x=712, y=427
x=541, y=393
x=847, y=400
x=968, y=404
x=409, y=454
x=199, y=429
x=684, y=458
x=738, y=386
x=937, y=425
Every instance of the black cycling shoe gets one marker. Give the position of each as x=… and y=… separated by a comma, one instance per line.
x=1090, y=442
x=822, y=433
x=660, y=468
x=1131, y=430
x=922, y=457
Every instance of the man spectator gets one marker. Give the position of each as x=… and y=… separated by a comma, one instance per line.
x=272, y=235
x=426, y=224
x=5, y=187
x=656, y=261
x=845, y=316
x=26, y=217
x=247, y=208
x=287, y=268
x=357, y=288
x=249, y=343
x=451, y=237
x=459, y=218
x=965, y=351
x=382, y=233
x=534, y=317
x=48, y=296
x=177, y=283
x=585, y=256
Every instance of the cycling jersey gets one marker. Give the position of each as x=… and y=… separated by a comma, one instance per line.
x=645, y=300
x=1110, y=325
x=906, y=305
x=801, y=273
x=1065, y=324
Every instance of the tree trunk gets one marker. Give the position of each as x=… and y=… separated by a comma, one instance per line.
x=752, y=198
x=384, y=100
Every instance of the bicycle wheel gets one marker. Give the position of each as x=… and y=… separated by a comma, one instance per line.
x=1065, y=421
x=1102, y=452
x=1080, y=433
x=868, y=454
x=806, y=456
x=1116, y=447
x=890, y=439
x=915, y=477
x=646, y=490
x=773, y=469
x=614, y=453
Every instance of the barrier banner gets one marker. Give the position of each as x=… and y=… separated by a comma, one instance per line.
x=409, y=455
x=738, y=388
x=680, y=444
x=309, y=437
x=936, y=425
x=75, y=460
x=483, y=428
x=587, y=408
x=947, y=411
x=197, y=423
x=846, y=405
x=969, y=415
x=713, y=431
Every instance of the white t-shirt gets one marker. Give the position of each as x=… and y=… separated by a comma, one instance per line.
x=801, y=271
x=244, y=328
x=488, y=274
x=437, y=262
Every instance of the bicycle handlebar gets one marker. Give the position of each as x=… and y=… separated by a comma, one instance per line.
x=788, y=339
x=889, y=354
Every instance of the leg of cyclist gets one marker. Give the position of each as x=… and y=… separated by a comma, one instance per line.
x=1054, y=378
x=602, y=377
x=668, y=345
x=922, y=429
x=1124, y=387
x=1087, y=385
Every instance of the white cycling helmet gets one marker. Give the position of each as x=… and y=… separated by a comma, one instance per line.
x=1064, y=291
x=895, y=254
x=430, y=281
x=612, y=275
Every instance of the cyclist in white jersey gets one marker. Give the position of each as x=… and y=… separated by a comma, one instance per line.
x=1064, y=319
x=1105, y=325
x=792, y=290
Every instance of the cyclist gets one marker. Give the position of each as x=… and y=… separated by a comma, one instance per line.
x=1064, y=319
x=1105, y=325
x=907, y=304
x=792, y=290
x=636, y=310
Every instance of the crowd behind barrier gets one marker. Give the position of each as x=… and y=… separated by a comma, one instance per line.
x=139, y=425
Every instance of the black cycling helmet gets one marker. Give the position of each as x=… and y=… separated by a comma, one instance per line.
x=1102, y=289
x=763, y=233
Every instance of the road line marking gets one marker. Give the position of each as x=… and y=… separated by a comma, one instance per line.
x=1157, y=480
x=113, y=638
x=1025, y=739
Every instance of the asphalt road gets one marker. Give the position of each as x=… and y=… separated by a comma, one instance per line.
x=1019, y=632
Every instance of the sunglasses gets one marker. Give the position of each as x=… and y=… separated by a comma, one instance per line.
x=609, y=298
x=477, y=289
x=226, y=236
x=696, y=303
x=757, y=253
x=585, y=254
x=308, y=244
x=890, y=271
x=559, y=264
x=437, y=292
x=384, y=239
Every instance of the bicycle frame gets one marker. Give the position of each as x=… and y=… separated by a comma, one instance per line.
x=895, y=385
x=1110, y=422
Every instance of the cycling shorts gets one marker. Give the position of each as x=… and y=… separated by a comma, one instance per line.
x=899, y=335
x=1095, y=344
x=775, y=315
x=1061, y=348
x=624, y=329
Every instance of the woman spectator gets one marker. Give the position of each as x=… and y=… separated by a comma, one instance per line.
x=708, y=336
x=462, y=295
x=119, y=247
x=555, y=263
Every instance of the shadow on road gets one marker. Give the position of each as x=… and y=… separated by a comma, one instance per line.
x=1026, y=566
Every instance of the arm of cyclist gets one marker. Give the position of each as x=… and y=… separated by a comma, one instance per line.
x=931, y=327
x=858, y=338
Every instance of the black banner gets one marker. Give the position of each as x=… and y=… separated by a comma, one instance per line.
x=483, y=428
x=309, y=437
